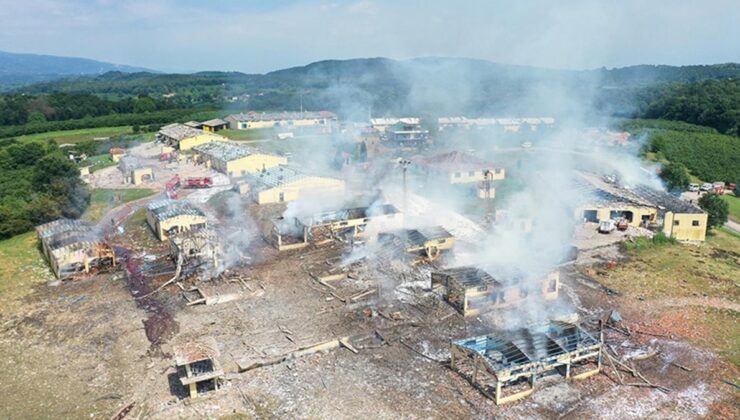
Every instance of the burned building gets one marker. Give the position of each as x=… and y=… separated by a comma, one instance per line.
x=473, y=291
x=72, y=247
x=200, y=249
x=346, y=224
x=197, y=366
x=167, y=217
x=427, y=243
x=496, y=364
x=640, y=206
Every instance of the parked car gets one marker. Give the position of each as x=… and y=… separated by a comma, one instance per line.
x=607, y=226
x=694, y=187
x=527, y=145
x=707, y=186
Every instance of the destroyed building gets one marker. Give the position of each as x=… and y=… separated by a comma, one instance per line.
x=512, y=363
x=457, y=168
x=200, y=249
x=639, y=206
x=427, y=243
x=134, y=172
x=198, y=367
x=473, y=291
x=183, y=137
x=282, y=184
x=167, y=217
x=73, y=247
x=346, y=224
x=234, y=160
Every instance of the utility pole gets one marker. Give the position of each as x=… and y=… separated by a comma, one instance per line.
x=488, y=178
x=404, y=167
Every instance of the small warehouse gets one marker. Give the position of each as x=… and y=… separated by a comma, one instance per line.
x=167, y=217
x=473, y=291
x=346, y=224
x=234, y=160
x=214, y=125
x=183, y=137
x=495, y=364
x=425, y=242
x=134, y=172
x=282, y=184
x=72, y=248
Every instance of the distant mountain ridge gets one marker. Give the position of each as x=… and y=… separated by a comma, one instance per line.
x=18, y=69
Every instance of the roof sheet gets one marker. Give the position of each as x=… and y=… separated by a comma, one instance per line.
x=224, y=151
x=454, y=161
x=179, y=131
x=469, y=276
x=165, y=209
x=282, y=116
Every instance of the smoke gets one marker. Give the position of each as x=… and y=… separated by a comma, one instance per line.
x=238, y=231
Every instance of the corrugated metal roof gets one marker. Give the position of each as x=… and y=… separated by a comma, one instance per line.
x=470, y=276
x=282, y=116
x=165, y=209
x=224, y=151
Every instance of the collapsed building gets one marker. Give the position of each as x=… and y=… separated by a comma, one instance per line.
x=473, y=291
x=72, y=247
x=198, y=367
x=234, y=160
x=200, y=249
x=345, y=224
x=639, y=206
x=513, y=362
x=423, y=243
x=167, y=217
x=281, y=184
x=456, y=168
x=183, y=137
x=134, y=172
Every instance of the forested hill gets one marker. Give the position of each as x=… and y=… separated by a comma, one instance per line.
x=380, y=86
x=20, y=69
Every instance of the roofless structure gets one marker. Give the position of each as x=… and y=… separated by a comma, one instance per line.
x=513, y=362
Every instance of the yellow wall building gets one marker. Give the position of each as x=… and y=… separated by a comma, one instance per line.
x=685, y=226
x=234, y=160
x=167, y=217
x=282, y=184
x=458, y=168
x=183, y=137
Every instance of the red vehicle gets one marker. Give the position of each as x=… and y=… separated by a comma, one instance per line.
x=173, y=183
x=622, y=224
x=204, y=182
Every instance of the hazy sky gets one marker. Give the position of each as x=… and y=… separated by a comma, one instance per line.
x=259, y=36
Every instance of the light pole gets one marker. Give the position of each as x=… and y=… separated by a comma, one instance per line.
x=404, y=163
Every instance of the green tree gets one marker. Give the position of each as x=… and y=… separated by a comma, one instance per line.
x=716, y=207
x=36, y=117
x=144, y=104
x=675, y=176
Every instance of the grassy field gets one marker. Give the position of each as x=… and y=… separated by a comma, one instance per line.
x=99, y=162
x=75, y=136
x=21, y=267
x=696, y=285
x=241, y=135
x=734, y=203
x=103, y=200
x=676, y=270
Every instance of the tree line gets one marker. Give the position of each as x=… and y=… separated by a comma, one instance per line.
x=38, y=184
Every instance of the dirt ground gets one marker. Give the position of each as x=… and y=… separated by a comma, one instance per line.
x=88, y=348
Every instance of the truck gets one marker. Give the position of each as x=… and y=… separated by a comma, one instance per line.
x=694, y=187
x=202, y=182
x=707, y=186
x=607, y=226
